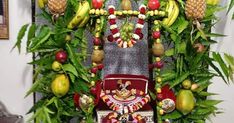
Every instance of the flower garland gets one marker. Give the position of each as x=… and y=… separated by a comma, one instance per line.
x=129, y=106
x=113, y=117
x=137, y=35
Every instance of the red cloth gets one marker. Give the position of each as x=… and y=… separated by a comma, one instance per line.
x=138, y=82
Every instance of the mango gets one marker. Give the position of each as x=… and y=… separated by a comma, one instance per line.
x=185, y=101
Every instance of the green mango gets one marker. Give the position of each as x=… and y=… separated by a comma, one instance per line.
x=185, y=101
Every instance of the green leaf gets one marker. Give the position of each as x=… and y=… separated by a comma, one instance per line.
x=180, y=79
x=204, y=93
x=182, y=48
x=152, y=95
x=230, y=5
x=183, y=24
x=70, y=68
x=170, y=52
x=174, y=115
x=31, y=33
x=223, y=66
x=208, y=60
x=43, y=36
x=208, y=103
x=215, y=35
x=20, y=37
x=229, y=59
x=169, y=75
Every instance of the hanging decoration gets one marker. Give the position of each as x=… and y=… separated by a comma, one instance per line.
x=179, y=37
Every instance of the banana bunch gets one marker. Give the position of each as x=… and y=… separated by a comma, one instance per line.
x=82, y=15
x=172, y=9
x=42, y=3
x=212, y=2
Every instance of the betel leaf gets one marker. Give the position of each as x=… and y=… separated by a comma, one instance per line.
x=20, y=37
x=221, y=63
x=179, y=79
x=183, y=24
x=70, y=68
x=43, y=35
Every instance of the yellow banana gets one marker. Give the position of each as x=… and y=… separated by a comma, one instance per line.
x=175, y=14
x=81, y=13
x=212, y=2
x=169, y=9
x=41, y=4
x=84, y=21
x=45, y=1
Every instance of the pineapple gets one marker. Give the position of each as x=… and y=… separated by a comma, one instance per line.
x=57, y=7
x=195, y=9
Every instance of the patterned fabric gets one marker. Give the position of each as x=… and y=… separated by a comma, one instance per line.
x=126, y=60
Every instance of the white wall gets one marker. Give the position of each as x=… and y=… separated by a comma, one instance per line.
x=15, y=74
x=226, y=44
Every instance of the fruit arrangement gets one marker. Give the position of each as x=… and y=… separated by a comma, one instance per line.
x=179, y=37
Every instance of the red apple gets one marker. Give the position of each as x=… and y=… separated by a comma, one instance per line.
x=93, y=91
x=153, y=4
x=159, y=64
x=96, y=41
x=97, y=4
x=100, y=66
x=156, y=34
x=94, y=70
x=61, y=56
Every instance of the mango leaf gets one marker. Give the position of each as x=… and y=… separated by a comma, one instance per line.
x=152, y=95
x=37, y=105
x=223, y=66
x=179, y=79
x=31, y=33
x=204, y=93
x=43, y=35
x=46, y=113
x=196, y=117
x=72, y=77
x=20, y=37
x=203, y=111
x=168, y=76
x=174, y=115
x=229, y=59
x=209, y=61
x=202, y=86
x=208, y=103
x=70, y=68
x=215, y=35
x=230, y=5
